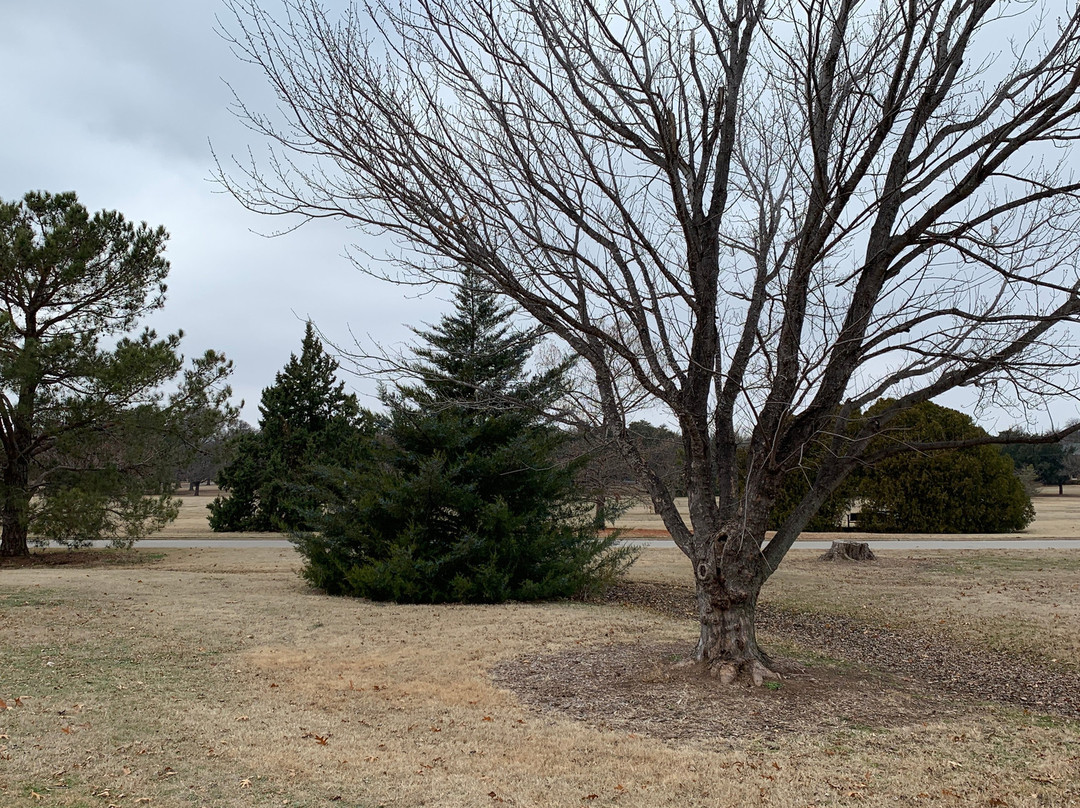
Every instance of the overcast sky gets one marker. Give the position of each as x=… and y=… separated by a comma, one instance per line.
x=119, y=101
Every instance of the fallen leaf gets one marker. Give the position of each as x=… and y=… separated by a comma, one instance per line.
x=245, y=783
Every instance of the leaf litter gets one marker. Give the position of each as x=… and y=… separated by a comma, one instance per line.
x=854, y=674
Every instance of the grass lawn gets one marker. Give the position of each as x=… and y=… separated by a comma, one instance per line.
x=218, y=678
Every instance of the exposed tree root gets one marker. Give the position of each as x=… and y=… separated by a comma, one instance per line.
x=752, y=671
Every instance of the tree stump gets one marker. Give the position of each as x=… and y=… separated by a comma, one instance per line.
x=848, y=551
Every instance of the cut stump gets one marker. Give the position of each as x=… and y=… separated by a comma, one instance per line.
x=848, y=551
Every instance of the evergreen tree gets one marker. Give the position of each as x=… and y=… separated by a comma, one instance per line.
x=463, y=500
x=86, y=432
x=306, y=420
x=1047, y=459
x=970, y=490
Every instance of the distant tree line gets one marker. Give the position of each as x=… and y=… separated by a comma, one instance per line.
x=376, y=499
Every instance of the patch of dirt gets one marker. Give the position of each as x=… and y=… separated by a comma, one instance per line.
x=915, y=677
x=645, y=689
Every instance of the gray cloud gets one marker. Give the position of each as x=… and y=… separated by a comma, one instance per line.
x=117, y=100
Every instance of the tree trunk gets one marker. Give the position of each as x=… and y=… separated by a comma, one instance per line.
x=16, y=509
x=14, y=539
x=848, y=551
x=728, y=643
x=600, y=514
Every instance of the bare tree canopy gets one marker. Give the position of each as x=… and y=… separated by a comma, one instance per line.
x=766, y=215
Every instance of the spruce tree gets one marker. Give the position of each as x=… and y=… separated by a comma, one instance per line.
x=464, y=500
x=307, y=420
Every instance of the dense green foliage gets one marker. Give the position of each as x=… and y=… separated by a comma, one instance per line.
x=970, y=490
x=830, y=516
x=462, y=500
x=307, y=421
x=1047, y=459
x=89, y=440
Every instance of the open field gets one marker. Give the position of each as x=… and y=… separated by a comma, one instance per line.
x=217, y=678
x=1057, y=517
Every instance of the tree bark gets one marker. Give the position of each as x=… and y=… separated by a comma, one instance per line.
x=14, y=541
x=16, y=508
x=848, y=551
x=729, y=577
x=728, y=642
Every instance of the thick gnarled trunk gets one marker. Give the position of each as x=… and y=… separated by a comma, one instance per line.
x=727, y=644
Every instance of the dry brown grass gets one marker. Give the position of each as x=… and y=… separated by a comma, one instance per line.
x=217, y=678
x=1023, y=602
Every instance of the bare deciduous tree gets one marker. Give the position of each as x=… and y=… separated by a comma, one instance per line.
x=771, y=213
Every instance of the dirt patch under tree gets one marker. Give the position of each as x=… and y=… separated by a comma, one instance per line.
x=916, y=676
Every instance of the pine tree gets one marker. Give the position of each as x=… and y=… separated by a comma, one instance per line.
x=307, y=420
x=464, y=500
x=86, y=429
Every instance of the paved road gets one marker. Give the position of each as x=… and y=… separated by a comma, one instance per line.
x=877, y=545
